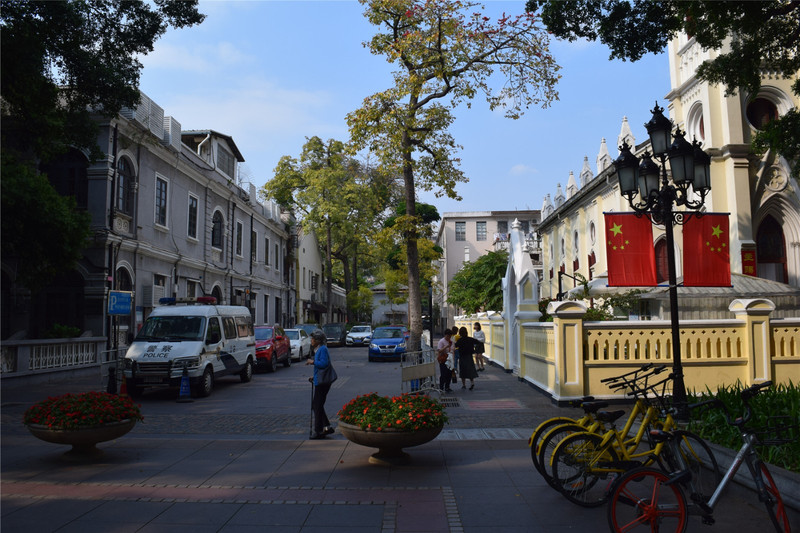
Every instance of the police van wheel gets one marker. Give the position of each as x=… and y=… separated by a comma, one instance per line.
x=206, y=384
x=247, y=372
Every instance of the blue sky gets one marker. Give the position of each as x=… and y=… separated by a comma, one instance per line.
x=271, y=73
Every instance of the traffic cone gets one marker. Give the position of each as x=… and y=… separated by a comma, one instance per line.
x=185, y=394
x=123, y=388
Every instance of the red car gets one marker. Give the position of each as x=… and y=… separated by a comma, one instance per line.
x=272, y=347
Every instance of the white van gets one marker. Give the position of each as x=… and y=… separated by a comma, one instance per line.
x=193, y=334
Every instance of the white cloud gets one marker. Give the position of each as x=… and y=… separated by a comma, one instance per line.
x=206, y=59
x=522, y=170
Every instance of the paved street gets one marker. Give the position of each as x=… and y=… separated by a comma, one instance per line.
x=240, y=461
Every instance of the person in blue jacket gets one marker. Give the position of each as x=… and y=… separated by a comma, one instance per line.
x=324, y=376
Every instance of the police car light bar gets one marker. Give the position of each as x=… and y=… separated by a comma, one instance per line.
x=202, y=300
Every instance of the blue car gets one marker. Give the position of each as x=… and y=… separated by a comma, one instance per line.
x=388, y=343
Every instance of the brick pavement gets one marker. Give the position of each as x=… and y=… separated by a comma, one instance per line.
x=210, y=472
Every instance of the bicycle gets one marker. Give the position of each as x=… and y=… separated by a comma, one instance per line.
x=588, y=420
x=585, y=465
x=653, y=499
x=602, y=421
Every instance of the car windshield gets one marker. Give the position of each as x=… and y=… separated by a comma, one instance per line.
x=173, y=328
x=293, y=334
x=263, y=334
x=332, y=330
x=360, y=329
x=308, y=328
x=382, y=333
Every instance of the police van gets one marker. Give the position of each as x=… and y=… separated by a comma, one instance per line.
x=192, y=335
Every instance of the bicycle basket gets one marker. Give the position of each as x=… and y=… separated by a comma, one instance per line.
x=780, y=429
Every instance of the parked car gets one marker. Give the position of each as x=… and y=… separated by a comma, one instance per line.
x=272, y=347
x=300, y=342
x=336, y=333
x=359, y=335
x=308, y=328
x=388, y=343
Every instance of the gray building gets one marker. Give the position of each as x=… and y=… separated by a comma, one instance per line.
x=169, y=217
x=465, y=236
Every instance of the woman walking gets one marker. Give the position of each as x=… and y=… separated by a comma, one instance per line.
x=480, y=339
x=324, y=376
x=466, y=367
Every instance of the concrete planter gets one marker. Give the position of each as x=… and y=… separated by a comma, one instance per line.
x=390, y=442
x=84, y=440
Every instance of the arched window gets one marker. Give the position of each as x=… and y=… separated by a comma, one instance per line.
x=771, y=251
x=662, y=266
x=217, y=230
x=761, y=112
x=216, y=292
x=125, y=179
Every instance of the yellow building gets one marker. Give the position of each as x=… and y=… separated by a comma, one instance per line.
x=759, y=193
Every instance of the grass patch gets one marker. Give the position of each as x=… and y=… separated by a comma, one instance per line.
x=776, y=406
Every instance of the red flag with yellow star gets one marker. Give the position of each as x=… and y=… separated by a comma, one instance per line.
x=629, y=251
x=706, y=251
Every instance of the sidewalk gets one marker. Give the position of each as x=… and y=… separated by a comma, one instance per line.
x=173, y=475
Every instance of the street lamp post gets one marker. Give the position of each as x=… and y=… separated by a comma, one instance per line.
x=651, y=193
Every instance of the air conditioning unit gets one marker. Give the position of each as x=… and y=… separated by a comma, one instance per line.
x=151, y=294
x=156, y=120
x=172, y=134
x=140, y=114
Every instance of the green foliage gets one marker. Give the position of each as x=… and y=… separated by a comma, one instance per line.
x=543, y=303
x=60, y=331
x=42, y=231
x=478, y=285
x=763, y=38
x=360, y=304
x=778, y=401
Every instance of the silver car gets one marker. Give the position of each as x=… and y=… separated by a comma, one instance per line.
x=359, y=336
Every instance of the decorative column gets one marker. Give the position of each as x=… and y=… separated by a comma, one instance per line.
x=757, y=335
x=568, y=324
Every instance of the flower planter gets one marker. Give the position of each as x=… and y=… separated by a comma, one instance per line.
x=83, y=440
x=390, y=442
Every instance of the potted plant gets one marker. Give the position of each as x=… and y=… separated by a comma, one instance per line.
x=391, y=424
x=82, y=420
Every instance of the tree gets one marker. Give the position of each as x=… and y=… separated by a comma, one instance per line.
x=764, y=37
x=336, y=198
x=446, y=51
x=478, y=286
x=62, y=64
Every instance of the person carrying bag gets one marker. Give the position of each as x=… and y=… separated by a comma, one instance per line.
x=324, y=376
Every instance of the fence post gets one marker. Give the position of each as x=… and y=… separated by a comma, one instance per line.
x=757, y=336
x=568, y=324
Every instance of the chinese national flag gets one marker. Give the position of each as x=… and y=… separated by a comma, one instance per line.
x=630, y=252
x=706, y=251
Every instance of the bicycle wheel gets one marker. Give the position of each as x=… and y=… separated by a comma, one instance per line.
x=541, y=430
x=698, y=457
x=548, y=445
x=581, y=470
x=774, y=502
x=640, y=501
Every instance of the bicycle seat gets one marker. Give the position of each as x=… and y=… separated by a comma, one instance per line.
x=593, y=407
x=609, y=416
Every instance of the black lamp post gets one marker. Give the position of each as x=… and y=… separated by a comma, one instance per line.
x=651, y=193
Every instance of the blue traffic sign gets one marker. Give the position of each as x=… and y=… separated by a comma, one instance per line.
x=119, y=302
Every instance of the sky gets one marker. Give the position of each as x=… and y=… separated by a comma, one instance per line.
x=272, y=73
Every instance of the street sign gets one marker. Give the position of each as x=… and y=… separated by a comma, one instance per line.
x=119, y=302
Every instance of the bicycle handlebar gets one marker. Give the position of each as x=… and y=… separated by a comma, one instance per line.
x=746, y=395
x=644, y=368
